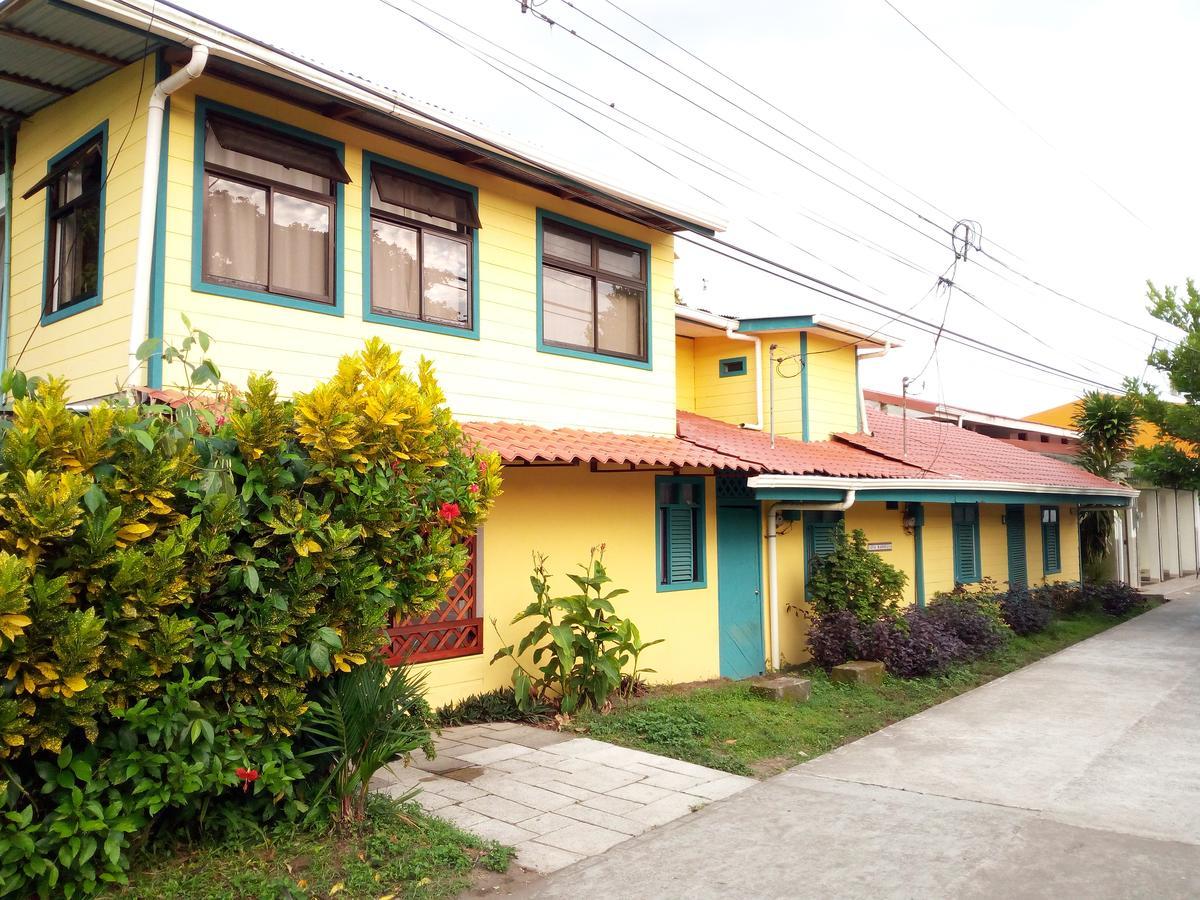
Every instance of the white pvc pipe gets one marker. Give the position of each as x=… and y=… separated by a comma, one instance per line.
x=758, y=394
x=140, y=314
x=773, y=558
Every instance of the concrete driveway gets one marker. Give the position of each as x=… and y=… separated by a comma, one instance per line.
x=1078, y=776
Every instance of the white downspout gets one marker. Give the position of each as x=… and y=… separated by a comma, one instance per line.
x=140, y=315
x=862, y=397
x=758, y=394
x=773, y=558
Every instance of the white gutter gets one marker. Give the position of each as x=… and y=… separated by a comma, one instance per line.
x=773, y=558
x=760, y=482
x=140, y=315
x=758, y=392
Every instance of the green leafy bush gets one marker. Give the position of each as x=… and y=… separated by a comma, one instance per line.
x=1115, y=598
x=175, y=583
x=855, y=579
x=581, y=655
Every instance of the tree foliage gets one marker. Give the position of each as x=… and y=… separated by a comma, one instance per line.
x=1107, y=426
x=854, y=578
x=1173, y=461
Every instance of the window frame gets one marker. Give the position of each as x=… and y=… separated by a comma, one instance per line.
x=597, y=234
x=381, y=318
x=333, y=305
x=49, y=273
x=699, y=578
x=725, y=367
x=1056, y=525
x=976, y=575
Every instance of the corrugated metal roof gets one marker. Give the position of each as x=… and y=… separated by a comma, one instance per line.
x=90, y=48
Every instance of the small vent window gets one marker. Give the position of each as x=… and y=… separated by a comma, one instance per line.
x=733, y=366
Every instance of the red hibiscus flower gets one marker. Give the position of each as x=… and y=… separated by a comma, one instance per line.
x=474, y=489
x=246, y=776
x=449, y=512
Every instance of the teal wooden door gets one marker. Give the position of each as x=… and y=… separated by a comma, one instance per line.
x=1018, y=564
x=739, y=585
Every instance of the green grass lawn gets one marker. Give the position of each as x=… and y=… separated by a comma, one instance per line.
x=724, y=726
x=400, y=852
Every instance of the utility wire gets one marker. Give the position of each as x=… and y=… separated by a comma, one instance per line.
x=722, y=97
x=1012, y=112
x=857, y=300
x=753, y=137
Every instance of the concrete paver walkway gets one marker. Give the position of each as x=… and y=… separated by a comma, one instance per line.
x=1078, y=776
x=556, y=798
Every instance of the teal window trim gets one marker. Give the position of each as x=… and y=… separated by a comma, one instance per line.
x=965, y=516
x=918, y=513
x=804, y=385
x=6, y=163
x=368, y=314
x=154, y=365
x=648, y=363
x=1051, y=566
x=203, y=107
x=730, y=368
x=97, y=298
x=699, y=534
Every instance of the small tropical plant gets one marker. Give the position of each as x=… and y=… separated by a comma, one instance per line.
x=364, y=719
x=580, y=646
x=855, y=579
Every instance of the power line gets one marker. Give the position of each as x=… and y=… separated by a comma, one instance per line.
x=858, y=301
x=753, y=137
x=804, y=146
x=1012, y=111
x=751, y=115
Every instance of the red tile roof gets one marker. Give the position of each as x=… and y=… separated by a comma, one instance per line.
x=948, y=451
x=534, y=444
x=789, y=457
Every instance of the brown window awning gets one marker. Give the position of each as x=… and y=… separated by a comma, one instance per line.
x=426, y=197
x=315, y=159
x=61, y=166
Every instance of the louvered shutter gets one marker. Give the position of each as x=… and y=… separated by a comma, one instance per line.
x=1018, y=568
x=680, y=551
x=1051, y=550
x=823, y=534
x=964, y=553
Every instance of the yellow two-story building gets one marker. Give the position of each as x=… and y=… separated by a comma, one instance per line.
x=158, y=165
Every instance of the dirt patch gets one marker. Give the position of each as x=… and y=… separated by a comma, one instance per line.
x=485, y=883
x=772, y=765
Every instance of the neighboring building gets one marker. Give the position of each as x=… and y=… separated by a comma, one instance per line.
x=1168, y=520
x=297, y=211
x=1049, y=438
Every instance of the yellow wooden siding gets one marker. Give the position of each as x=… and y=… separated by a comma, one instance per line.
x=89, y=347
x=788, y=406
x=730, y=399
x=883, y=525
x=832, y=389
x=500, y=376
x=562, y=513
x=685, y=373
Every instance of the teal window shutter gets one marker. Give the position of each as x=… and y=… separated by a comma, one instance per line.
x=680, y=532
x=964, y=518
x=820, y=538
x=1051, y=545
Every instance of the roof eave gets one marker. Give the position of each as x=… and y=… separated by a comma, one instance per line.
x=780, y=482
x=173, y=23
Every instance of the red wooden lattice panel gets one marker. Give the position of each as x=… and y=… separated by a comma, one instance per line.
x=453, y=629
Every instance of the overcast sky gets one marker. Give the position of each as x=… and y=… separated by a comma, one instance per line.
x=1108, y=86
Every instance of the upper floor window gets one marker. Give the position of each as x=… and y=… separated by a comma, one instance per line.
x=74, y=189
x=594, y=293
x=270, y=210
x=421, y=249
